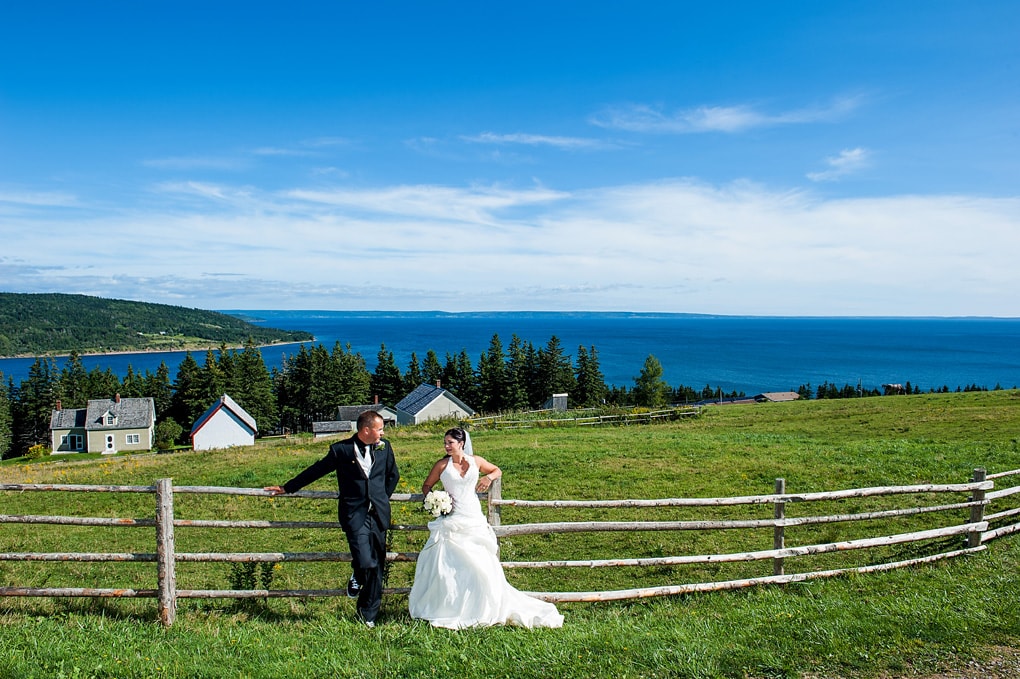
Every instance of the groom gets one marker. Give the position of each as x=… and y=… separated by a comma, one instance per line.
x=366, y=474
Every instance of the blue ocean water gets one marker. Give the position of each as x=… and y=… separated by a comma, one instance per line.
x=737, y=353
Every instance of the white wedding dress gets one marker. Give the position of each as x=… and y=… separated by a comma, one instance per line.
x=458, y=580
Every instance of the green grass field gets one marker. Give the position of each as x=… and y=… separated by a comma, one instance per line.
x=908, y=622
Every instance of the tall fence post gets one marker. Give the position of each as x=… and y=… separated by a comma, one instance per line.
x=977, y=512
x=779, y=531
x=165, y=570
x=495, y=493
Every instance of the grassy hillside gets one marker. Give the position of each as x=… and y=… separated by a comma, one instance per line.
x=39, y=324
x=913, y=622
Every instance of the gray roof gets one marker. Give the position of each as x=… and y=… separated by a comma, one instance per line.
x=423, y=395
x=351, y=413
x=131, y=413
x=72, y=418
x=332, y=426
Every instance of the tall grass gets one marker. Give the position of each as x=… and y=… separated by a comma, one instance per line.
x=889, y=624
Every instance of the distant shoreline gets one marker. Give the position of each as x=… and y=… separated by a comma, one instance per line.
x=125, y=352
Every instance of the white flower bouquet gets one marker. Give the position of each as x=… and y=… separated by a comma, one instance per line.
x=438, y=503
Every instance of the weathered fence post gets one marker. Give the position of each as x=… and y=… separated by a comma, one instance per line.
x=977, y=512
x=779, y=532
x=165, y=571
x=495, y=493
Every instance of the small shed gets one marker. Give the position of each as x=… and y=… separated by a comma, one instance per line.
x=430, y=402
x=777, y=396
x=556, y=402
x=332, y=428
x=223, y=425
x=351, y=413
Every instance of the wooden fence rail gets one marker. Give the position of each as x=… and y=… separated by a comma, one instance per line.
x=971, y=530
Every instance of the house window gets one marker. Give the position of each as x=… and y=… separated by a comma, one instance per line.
x=72, y=442
x=134, y=438
x=111, y=419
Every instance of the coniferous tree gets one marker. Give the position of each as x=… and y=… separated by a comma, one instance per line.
x=189, y=399
x=555, y=372
x=387, y=383
x=253, y=386
x=649, y=387
x=460, y=379
x=212, y=383
x=103, y=384
x=413, y=376
x=74, y=383
x=518, y=376
x=131, y=385
x=492, y=377
x=6, y=419
x=431, y=370
x=535, y=387
x=34, y=405
x=354, y=381
x=591, y=384
x=157, y=385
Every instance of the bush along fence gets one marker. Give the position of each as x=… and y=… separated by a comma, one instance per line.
x=964, y=527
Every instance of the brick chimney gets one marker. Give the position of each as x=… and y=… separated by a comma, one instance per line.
x=59, y=405
x=375, y=400
x=439, y=384
x=116, y=397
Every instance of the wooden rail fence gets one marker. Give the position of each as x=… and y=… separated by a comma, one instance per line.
x=970, y=530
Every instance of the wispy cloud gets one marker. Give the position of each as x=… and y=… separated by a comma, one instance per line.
x=37, y=198
x=535, y=140
x=849, y=161
x=275, y=151
x=477, y=205
x=197, y=163
x=701, y=119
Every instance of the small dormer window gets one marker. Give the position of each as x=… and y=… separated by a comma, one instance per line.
x=110, y=419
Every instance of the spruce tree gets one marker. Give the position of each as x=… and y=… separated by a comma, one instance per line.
x=413, y=376
x=649, y=387
x=387, y=383
x=431, y=370
x=6, y=420
x=492, y=377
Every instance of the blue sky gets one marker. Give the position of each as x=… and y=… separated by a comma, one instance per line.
x=794, y=158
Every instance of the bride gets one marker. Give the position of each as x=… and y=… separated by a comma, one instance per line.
x=458, y=580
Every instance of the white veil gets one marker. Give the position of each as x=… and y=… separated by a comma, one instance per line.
x=468, y=448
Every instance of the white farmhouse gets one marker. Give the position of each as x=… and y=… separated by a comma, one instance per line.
x=430, y=402
x=223, y=425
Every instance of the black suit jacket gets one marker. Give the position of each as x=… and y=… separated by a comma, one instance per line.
x=357, y=493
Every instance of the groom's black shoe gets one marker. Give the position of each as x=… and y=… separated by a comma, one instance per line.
x=353, y=588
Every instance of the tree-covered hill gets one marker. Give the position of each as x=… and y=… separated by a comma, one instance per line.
x=38, y=324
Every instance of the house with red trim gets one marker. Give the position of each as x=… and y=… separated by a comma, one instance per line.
x=223, y=425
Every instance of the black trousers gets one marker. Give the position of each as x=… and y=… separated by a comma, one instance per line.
x=368, y=558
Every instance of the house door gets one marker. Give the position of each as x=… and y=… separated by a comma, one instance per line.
x=109, y=444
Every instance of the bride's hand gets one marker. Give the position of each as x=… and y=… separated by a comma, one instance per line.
x=483, y=484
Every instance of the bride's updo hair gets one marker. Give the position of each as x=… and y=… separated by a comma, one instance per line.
x=457, y=434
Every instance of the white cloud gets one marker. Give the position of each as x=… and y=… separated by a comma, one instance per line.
x=197, y=163
x=739, y=118
x=672, y=245
x=535, y=140
x=849, y=161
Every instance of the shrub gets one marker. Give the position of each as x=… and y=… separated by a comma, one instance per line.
x=37, y=451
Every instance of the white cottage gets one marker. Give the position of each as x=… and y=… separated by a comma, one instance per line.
x=223, y=425
x=430, y=402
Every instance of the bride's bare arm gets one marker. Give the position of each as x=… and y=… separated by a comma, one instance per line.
x=491, y=473
x=433, y=477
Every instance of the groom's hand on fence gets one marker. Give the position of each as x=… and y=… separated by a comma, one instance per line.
x=275, y=490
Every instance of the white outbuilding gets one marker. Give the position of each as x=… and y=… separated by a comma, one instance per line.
x=223, y=425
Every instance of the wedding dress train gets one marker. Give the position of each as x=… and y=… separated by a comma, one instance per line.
x=458, y=580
